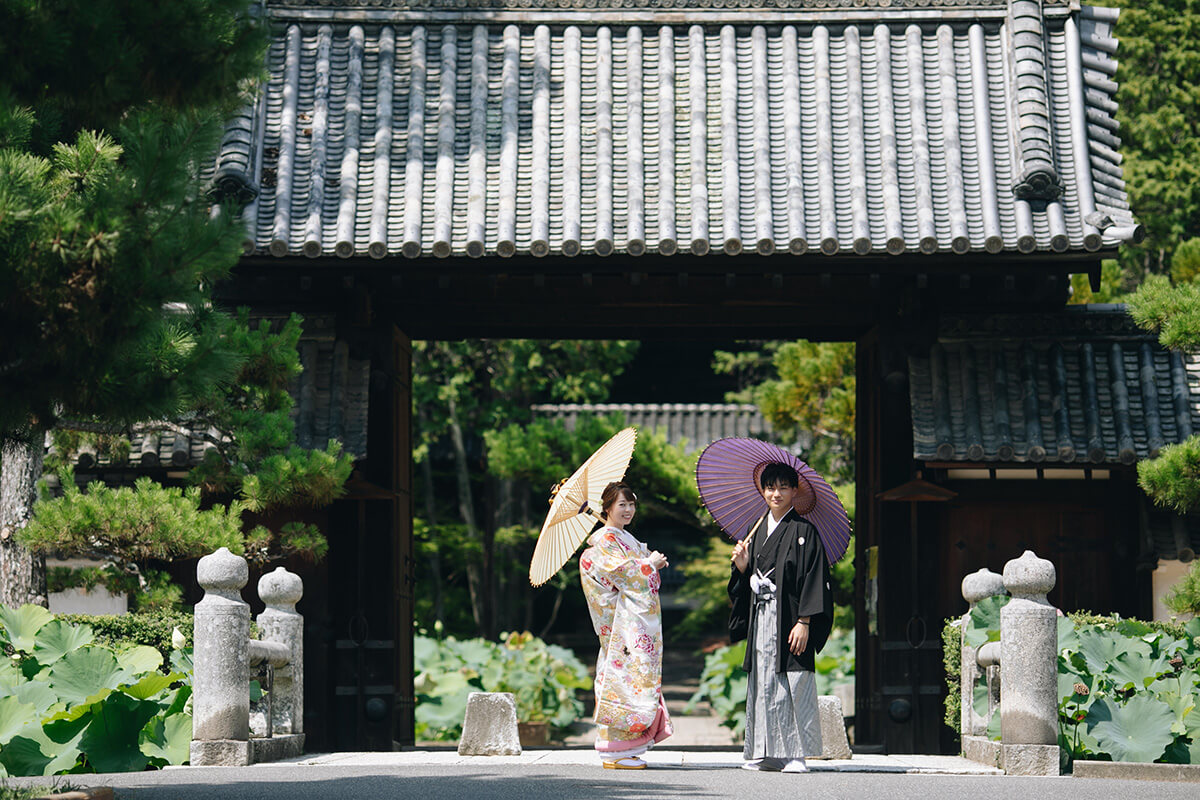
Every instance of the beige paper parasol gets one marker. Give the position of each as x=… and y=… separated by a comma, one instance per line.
x=575, y=505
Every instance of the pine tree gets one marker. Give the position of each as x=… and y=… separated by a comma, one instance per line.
x=251, y=466
x=108, y=109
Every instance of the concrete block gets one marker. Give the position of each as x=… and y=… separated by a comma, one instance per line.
x=1031, y=759
x=833, y=728
x=490, y=726
x=982, y=750
x=277, y=748
x=221, y=753
x=1133, y=771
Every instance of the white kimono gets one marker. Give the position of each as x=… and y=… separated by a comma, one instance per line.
x=621, y=587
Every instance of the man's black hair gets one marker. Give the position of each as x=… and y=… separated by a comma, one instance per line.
x=779, y=474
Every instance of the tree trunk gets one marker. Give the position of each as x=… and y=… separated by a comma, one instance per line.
x=435, y=558
x=466, y=508
x=22, y=574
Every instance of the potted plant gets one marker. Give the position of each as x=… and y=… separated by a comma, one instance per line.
x=543, y=679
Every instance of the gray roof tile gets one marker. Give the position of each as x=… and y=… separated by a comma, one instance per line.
x=1084, y=387
x=694, y=424
x=477, y=139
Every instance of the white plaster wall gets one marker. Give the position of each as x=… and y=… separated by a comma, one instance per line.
x=1166, y=575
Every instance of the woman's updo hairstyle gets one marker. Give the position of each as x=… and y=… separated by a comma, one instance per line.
x=613, y=492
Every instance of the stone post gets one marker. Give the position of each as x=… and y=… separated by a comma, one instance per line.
x=280, y=591
x=975, y=587
x=1029, y=669
x=220, y=699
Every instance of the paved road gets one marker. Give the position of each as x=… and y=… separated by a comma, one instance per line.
x=573, y=775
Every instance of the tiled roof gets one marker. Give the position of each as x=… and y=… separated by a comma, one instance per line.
x=980, y=128
x=330, y=403
x=695, y=424
x=1084, y=386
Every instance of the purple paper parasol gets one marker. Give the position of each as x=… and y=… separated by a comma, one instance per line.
x=727, y=476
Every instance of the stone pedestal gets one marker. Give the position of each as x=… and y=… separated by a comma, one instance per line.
x=220, y=700
x=490, y=726
x=280, y=591
x=834, y=743
x=975, y=587
x=1029, y=666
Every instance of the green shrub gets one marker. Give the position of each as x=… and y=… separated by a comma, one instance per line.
x=153, y=629
x=69, y=704
x=952, y=657
x=542, y=678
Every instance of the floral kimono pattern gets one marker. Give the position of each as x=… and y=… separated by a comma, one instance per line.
x=621, y=588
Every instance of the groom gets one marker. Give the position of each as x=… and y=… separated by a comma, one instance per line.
x=782, y=603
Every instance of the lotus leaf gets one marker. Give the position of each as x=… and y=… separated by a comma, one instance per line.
x=1178, y=752
x=15, y=715
x=44, y=751
x=1068, y=638
x=58, y=638
x=136, y=661
x=993, y=728
x=984, y=625
x=149, y=686
x=1133, y=670
x=1101, y=648
x=10, y=676
x=111, y=741
x=38, y=695
x=424, y=649
x=1139, y=730
x=181, y=661
x=22, y=625
x=442, y=716
x=1136, y=629
x=80, y=675
x=168, y=740
x=474, y=653
x=1187, y=716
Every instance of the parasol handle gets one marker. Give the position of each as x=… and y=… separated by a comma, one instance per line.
x=750, y=536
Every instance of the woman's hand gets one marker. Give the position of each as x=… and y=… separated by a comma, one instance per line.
x=741, y=556
x=798, y=638
x=658, y=560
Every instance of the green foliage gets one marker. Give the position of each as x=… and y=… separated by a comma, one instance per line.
x=1128, y=690
x=252, y=458
x=811, y=394
x=70, y=704
x=95, y=241
x=1173, y=478
x=131, y=525
x=723, y=685
x=1160, y=122
x=1173, y=312
x=468, y=391
x=542, y=678
x=1185, y=264
x=952, y=659
x=704, y=588
x=836, y=661
x=1184, y=596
